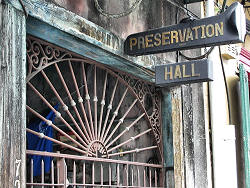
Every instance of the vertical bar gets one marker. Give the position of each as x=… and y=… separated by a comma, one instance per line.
x=110, y=174
x=61, y=171
x=31, y=172
x=102, y=104
x=65, y=173
x=132, y=177
x=150, y=178
x=115, y=114
x=124, y=176
x=118, y=175
x=42, y=169
x=52, y=108
x=108, y=111
x=83, y=174
x=156, y=178
x=80, y=100
x=52, y=174
x=138, y=176
x=127, y=174
x=144, y=177
x=93, y=173
x=117, y=126
x=73, y=104
x=95, y=102
x=88, y=98
x=101, y=174
x=74, y=173
x=58, y=173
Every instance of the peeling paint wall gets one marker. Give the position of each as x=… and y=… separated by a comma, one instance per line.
x=149, y=14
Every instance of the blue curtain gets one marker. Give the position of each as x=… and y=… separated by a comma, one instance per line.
x=41, y=144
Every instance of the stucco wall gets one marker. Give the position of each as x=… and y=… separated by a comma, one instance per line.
x=149, y=14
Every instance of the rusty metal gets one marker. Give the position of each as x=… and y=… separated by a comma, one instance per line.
x=98, y=137
x=143, y=89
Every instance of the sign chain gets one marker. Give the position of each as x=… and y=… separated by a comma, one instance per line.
x=118, y=15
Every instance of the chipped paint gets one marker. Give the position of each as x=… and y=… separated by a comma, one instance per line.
x=86, y=31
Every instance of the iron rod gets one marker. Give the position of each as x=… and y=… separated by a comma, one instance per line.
x=101, y=174
x=56, y=141
x=138, y=176
x=73, y=104
x=42, y=172
x=95, y=103
x=118, y=175
x=44, y=184
x=110, y=174
x=144, y=177
x=83, y=172
x=61, y=101
x=126, y=130
x=109, y=109
x=118, y=124
x=74, y=173
x=127, y=168
x=93, y=173
x=31, y=171
x=132, y=176
x=89, y=185
x=85, y=158
x=129, y=140
x=55, y=127
x=79, y=100
x=52, y=173
x=133, y=151
x=65, y=173
x=88, y=99
x=102, y=104
x=115, y=113
x=150, y=178
x=156, y=178
x=58, y=172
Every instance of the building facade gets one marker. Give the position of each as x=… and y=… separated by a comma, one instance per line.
x=76, y=111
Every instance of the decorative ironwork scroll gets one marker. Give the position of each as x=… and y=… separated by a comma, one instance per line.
x=94, y=127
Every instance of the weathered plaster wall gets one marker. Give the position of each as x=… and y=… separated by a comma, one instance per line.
x=149, y=14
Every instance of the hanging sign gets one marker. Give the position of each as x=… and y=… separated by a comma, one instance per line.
x=183, y=73
x=228, y=27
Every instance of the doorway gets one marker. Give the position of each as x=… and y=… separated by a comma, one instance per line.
x=89, y=125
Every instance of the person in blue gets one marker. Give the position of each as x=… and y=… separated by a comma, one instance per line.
x=41, y=144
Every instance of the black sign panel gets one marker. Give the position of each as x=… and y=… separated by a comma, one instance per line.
x=228, y=27
x=183, y=73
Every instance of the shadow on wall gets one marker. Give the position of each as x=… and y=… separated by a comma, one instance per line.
x=79, y=7
x=122, y=27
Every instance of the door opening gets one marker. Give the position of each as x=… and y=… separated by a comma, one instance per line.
x=89, y=125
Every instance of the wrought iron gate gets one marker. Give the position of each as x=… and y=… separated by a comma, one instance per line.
x=106, y=131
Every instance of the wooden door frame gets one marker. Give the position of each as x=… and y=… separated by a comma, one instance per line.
x=13, y=96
